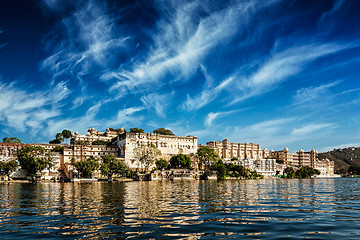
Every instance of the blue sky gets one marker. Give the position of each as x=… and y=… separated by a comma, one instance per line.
x=277, y=73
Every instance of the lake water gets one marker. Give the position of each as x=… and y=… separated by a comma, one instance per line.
x=243, y=209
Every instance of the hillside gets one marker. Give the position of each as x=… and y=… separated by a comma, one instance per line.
x=343, y=158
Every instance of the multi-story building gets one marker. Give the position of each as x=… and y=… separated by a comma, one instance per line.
x=227, y=150
x=82, y=152
x=169, y=145
x=248, y=155
x=93, y=135
x=302, y=159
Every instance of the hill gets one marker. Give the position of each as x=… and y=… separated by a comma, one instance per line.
x=343, y=158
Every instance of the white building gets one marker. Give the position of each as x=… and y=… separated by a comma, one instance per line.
x=169, y=145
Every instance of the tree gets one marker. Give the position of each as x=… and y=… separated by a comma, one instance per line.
x=58, y=139
x=221, y=170
x=161, y=164
x=289, y=172
x=66, y=134
x=306, y=172
x=100, y=142
x=85, y=167
x=8, y=167
x=180, y=161
x=11, y=140
x=59, y=149
x=34, y=159
x=111, y=165
x=146, y=154
x=163, y=131
x=206, y=156
x=136, y=130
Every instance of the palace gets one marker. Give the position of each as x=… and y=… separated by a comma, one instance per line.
x=302, y=159
x=169, y=145
x=248, y=155
x=227, y=150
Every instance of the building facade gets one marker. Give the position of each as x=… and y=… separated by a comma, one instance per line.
x=303, y=159
x=227, y=150
x=169, y=145
x=248, y=155
x=93, y=135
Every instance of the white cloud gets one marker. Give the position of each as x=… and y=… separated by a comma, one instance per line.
x=211, y=117
x=346, y=145
x=21, y=109
x=312, y=96
x=310, y=129
x=158, y=102
x=281, y=66
x=183, y=38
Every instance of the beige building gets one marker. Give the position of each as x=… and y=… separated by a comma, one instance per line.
x=302, y=158
x=93, y=135
x=169, y=145
x=82, y=152
x=227, y=150
x=248, y=155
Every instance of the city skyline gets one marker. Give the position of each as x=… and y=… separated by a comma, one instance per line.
x=280, y=73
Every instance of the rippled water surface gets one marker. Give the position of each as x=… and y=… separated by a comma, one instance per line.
x=242, y=209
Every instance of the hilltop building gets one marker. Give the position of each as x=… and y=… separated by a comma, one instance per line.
x=93, y=135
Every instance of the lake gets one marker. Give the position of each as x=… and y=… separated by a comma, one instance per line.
x=232, y=209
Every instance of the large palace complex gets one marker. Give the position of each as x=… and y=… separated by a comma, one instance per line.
x=123, y=145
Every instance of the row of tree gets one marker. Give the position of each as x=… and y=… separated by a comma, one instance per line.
x=109, y=166
x=303, y=172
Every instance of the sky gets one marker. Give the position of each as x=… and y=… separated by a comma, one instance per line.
x=277, y=72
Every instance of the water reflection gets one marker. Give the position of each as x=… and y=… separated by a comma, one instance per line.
x=268, y=209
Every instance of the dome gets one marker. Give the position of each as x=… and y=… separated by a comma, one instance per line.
x=286, y=149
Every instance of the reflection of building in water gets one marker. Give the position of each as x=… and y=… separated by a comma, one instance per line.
x=169, y=145
x=302, y=158
x=249, y=155
x=160, y=202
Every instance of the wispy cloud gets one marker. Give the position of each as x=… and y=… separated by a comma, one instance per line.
x=330, y=148
x=22, y=110
x=310, y=129
x=83, y=43
x=157, y=102
x=281, y=66
x=212, y=116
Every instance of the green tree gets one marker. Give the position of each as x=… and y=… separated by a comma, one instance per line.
x=66, y=134
x=221, y=170
x=59, y=149
x=163, y=131
x=100, y=142
x=110, y=165
x=289, y=172
x=306, y=172
x=206, y=156
x=34, y=159
x=161, y=164
x=11, y=140
x=180, y=161
x=58, y=139
x=8, y=167
x=85, y=167
x=136, y=130
x=146, y=154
